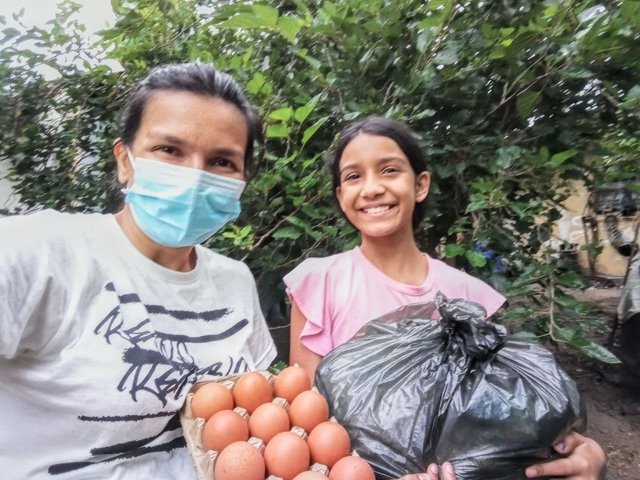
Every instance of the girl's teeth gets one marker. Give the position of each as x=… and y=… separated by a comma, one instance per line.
x=376, y=210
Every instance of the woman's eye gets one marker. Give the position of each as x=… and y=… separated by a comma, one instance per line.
x=167, y=149
x=222, y=163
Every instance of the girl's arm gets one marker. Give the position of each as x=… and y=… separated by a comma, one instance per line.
x=298, y=353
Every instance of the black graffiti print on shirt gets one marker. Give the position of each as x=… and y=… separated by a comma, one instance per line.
x=158, y=363
x=167, y=368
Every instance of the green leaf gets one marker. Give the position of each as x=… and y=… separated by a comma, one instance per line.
x=477, y=202
x=527, y=103
x=498, y=53
x=281, y=114
x=256, y=83
x=268, y=14
x=453, y=250
x=425, y=38
x=244, y=20
x=303, y=112
x=291, y=233
x=10, y=32
x=476, y=259
x=289, y=28
x=560, y=157
x=634, y=92
x=630, y=10
x=598, y=352
x=570, y=280
x=277, y=130
x=448, y=56
x=310, y=132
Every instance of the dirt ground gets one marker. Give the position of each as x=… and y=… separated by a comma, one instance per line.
x=611, y=395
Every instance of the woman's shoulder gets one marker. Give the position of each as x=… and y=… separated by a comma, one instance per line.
x=222, y=263
x=46, y=227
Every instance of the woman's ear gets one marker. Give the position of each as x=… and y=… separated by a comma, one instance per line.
x=123, y=164
x=423, y=182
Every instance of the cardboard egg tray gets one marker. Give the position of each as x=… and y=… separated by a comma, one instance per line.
x=204, y=460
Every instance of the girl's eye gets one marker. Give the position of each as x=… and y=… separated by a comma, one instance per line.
x=350, y=177
x=390, y=170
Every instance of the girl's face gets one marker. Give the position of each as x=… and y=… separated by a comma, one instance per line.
x=378, y=188
x=189, y=130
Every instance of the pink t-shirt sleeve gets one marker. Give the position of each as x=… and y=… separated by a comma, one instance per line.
x=307, y=286
x=454, y=283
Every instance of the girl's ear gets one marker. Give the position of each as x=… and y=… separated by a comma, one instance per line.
x=423, y=182
x=123, y=164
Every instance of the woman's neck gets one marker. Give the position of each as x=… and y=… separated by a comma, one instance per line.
x=400, y=260
x=179, y=259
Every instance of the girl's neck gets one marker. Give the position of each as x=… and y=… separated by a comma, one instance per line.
x=400, y=260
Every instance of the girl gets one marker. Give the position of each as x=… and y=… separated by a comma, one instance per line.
x=381, y=182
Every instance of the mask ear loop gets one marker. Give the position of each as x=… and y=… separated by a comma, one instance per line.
x=130, y=156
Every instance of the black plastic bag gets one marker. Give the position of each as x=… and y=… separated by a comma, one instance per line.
x=411, y=391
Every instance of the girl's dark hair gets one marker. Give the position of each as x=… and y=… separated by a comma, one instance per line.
x=198, y=78
x=400, y=133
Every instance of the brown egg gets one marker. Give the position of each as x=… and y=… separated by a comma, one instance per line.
x=267, y=420
x=210, y=398
x=251, y=390
x=328, y=443
x=309, y=475
x=352, y=468
x=290, y=382
x=240, y=461
x=286, y=455
x=224, y=428
x=308, y=409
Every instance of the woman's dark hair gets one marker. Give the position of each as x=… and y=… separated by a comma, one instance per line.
x=198, y=78
x=399, y=132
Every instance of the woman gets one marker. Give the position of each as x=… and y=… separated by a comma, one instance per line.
x=381, y=182
x=106, y=321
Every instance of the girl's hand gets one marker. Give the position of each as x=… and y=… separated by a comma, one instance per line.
x=586, y=460
x=432, y=473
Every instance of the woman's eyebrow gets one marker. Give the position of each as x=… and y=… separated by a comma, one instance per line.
x=166, y=137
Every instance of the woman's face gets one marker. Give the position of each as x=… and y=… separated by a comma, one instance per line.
x=378, y=188
x=189, y=130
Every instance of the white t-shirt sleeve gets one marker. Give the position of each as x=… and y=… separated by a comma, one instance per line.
x=28, y=287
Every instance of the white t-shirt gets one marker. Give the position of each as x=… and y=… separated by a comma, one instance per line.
x=99, y=346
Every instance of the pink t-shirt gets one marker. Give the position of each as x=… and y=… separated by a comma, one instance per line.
x=339, y=294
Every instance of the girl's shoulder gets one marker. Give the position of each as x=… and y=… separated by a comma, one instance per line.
x=321, y=267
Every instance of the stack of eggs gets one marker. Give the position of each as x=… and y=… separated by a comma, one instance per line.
x=277, y=428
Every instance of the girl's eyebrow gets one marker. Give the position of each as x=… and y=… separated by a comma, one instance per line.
x=381, y=161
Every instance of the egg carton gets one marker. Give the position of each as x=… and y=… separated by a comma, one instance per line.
x=204, y=460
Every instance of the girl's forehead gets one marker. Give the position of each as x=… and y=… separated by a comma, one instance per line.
x=366, y=147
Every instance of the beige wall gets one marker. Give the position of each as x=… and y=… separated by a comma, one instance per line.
x=570, y=229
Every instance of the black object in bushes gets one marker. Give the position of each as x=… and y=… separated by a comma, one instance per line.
x=411, y=391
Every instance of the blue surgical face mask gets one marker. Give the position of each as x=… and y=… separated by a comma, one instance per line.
x=179, y=206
